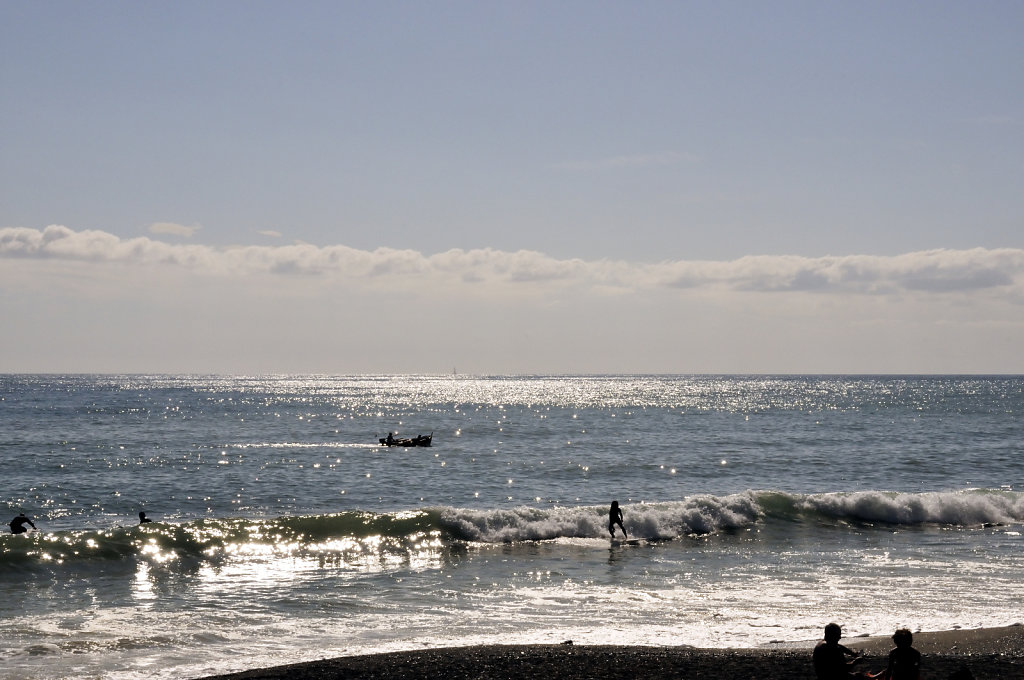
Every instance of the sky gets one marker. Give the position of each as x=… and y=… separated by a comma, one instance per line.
x=519, y=187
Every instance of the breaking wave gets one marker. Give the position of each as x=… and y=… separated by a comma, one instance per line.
x=701, y=515
x=358, y=533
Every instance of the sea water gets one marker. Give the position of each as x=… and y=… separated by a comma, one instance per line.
x=282, y=531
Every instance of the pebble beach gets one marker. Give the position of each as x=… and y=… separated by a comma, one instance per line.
x=989, y=654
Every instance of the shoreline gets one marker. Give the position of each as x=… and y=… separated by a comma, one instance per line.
x=989, y=653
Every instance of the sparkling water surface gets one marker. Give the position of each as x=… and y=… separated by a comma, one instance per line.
x=284, y=532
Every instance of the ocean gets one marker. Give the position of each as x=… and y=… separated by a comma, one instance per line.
x=762, y=508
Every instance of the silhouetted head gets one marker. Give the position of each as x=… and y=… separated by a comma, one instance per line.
x=615, y=504
x=833, y=632
x=142, y=515
x=903, y=637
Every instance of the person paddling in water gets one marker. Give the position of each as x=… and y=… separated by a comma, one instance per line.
x=615, y=517
x=18, y=524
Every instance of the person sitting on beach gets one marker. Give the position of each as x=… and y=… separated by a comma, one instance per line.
x=18, y=524
x=143, y=519
x=615, y=517
x=904, y=660
x=829, y=657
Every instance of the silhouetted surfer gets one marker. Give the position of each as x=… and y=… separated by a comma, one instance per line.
x=18, y=524
x=615, y=517
x=143, y=519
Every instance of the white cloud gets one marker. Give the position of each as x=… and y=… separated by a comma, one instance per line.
x=174, y=229
x=92, y=301
x=628, y=161
x=999, y=120
x=997, y=272
x=934, y=271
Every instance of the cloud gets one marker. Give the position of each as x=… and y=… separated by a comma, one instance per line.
x=90, y=300
x=269, y=233
x=174, y=229
x=932, y=272
x=999, y=120
x=628, y=161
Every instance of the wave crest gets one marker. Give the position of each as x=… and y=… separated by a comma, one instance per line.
x=358, y=534
x=956, y=508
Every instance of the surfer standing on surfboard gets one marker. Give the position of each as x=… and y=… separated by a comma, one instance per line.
x=615, y=517
x=18, y=524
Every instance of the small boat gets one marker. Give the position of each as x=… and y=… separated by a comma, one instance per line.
x=421, y=440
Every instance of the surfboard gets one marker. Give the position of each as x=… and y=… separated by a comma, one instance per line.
x=628, y=541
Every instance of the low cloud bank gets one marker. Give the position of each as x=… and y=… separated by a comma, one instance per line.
x=174, y=229
x=934, y=272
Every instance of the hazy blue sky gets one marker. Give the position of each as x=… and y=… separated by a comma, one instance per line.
x=518, y=187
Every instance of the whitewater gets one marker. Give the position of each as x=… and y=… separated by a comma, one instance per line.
x=763, y=507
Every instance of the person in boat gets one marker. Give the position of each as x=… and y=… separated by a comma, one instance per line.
x=18, y=524
x=615, y=517
x=390, y=441
x=829, y=657
x=143, y=519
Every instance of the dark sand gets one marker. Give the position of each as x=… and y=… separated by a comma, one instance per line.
x=989, y=653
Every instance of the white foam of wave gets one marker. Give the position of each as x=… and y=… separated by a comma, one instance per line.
x=706, y=514
x=958, y=508
x=696, y=515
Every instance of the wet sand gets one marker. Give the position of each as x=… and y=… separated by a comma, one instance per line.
x=990, y=654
